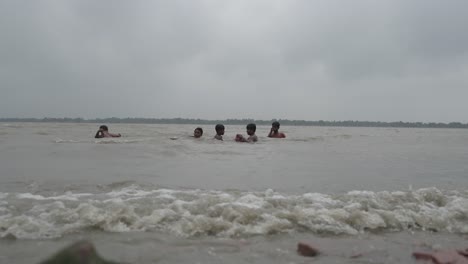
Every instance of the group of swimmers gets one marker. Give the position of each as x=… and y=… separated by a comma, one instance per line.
x=103, y=132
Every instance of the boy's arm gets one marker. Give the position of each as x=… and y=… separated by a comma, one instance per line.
x=98, y=134
x=108, y=134
x=271, y=133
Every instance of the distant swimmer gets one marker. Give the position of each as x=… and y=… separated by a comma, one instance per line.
x=251, y=128
x=103, y=132
x=219, y=132
x=198, y=132
x=274, y=133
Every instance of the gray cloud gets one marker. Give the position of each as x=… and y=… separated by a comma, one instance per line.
x=334, y=60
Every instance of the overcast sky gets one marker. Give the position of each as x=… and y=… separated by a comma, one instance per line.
x=217, y=59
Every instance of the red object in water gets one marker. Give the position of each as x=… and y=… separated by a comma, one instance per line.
x=443, y=256
x=306, y=250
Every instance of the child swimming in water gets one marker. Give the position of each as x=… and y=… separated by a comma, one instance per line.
x=274, y=133
x=198, y=132
x=219, y=132
x=251, y=128
x=103, y=132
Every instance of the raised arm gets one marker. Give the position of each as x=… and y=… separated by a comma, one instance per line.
x=272, y=131
x=99, y=134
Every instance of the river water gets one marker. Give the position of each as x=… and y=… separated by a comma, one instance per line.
x=373, y=193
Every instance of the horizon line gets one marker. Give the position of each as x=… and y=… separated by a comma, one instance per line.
x=296, y=122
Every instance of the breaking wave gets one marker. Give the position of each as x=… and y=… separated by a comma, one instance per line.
x=231, y=213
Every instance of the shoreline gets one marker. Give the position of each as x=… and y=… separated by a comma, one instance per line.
x=150, y=247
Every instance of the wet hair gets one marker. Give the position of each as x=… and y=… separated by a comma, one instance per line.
x=275, y=124
x=104, y=127
x=219, y=127
x=199, y=129
x=252, y=126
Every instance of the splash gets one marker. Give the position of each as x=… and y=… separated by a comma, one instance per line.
x=231, y=214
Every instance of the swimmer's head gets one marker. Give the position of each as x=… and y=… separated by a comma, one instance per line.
x=219, y=129
x=103, y=127
x=275, y=124
x=198, y=132
x=251, y=128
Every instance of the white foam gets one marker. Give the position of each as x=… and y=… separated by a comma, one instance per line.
x=117, y=141
x=59, y=140
x=198, y=212
x=67, y=196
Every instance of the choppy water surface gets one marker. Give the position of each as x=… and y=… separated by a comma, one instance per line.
x=378, y=192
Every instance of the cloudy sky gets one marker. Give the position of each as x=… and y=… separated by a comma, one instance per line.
x=217, y=59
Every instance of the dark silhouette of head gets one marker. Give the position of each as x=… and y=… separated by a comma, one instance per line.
x=275, y=124
x=104, y=127
x=251, y=127
x=219, y=129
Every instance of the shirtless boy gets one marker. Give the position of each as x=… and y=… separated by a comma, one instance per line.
x=251, y=128
x=274, y=133
x=103, y=132
x=219, y=132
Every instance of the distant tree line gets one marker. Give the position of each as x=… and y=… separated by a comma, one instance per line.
x=285, y=122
